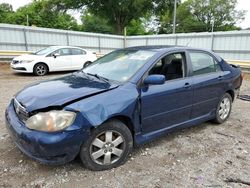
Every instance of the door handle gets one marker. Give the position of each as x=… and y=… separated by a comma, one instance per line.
x=187, y=85
x=220, y=77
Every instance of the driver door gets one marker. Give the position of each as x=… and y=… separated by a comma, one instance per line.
x=60, y=60
x=167, y=105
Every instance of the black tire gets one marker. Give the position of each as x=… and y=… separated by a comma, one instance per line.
x=87, y=64
x=219, y=116
x=40, y=69
x=89, y=149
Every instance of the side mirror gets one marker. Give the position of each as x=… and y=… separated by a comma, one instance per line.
x=155, y=79
x=56, y=54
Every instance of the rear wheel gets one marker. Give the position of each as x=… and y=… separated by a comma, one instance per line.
x=87, y=64
x=223, y=108
x=108, y=146
x=40, y=69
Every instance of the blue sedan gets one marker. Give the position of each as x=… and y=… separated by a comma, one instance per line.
x=125, y=98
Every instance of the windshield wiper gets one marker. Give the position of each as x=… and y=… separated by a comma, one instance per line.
x=99, y=77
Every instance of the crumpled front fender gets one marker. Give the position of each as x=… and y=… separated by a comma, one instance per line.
x=122, y=101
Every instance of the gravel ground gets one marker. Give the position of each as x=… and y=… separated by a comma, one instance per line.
x=203, y=156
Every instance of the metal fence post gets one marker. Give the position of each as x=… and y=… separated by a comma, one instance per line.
x=125, y=37
x=176, y=40
x=99, y=44
x=67, y=38
x=146, y=41
x=212, y=41
x=25, y=39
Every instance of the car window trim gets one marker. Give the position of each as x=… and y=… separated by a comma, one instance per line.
x=83, y=51
x=186, y=71
x=204, y=52
x=50, y=55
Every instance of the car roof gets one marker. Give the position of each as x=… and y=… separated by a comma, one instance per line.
x=161, y=47
x=66, y=47
x=167, y=48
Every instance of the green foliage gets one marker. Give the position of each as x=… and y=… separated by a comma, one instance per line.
x=200, y=15
x=222, y=12
x=118, y=13
x=164, y=10
x=138, y=16
x=5, y=11
x=136, y=27
x=95, y=24
x=42, y=13
x=186, y=21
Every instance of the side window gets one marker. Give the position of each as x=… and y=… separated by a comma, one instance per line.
x=63, y=51
x=203, y=63
x=171, y=66
x=76, y=51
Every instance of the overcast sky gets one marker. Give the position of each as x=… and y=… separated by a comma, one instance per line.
x=242, y=5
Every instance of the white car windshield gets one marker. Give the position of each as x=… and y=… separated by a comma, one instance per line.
x=45, y=50
x=120, y=65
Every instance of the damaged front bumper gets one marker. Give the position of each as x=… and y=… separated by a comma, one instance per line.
x=48, y=148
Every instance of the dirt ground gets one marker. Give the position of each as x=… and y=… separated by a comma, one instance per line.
x=203, y=156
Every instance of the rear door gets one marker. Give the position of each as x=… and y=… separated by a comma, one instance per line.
x=208, y=81
x=78, y=58
x=168, y=105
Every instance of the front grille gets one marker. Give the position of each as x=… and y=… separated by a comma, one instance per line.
x=21, y=112
x=15, y=62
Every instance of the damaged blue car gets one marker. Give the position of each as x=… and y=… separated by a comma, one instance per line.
x=123, y=99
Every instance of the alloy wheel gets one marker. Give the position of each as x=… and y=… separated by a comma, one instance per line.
x=41, y=70
x=107, y=147
x=225, y=107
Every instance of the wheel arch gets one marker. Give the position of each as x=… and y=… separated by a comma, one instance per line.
x=124, y=119
x=86, y=63
x=41, y=63
x=231, y=93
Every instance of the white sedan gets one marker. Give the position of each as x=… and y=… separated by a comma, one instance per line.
x=54, y=58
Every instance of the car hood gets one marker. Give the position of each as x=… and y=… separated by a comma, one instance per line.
x=62, y=90
x=26, y=57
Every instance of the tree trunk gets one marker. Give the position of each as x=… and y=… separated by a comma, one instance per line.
x=119, y=26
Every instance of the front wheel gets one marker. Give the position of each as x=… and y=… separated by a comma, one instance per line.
x=223, y=109
x=108, y=146
x=40, y=69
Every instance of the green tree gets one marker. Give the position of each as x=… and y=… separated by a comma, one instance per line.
x=200, y=15
x=118, y=13
x=138, y=16
x=136, y=27
x=5, y=11
x=164, y=11
x=96, y=24
x=42, y=13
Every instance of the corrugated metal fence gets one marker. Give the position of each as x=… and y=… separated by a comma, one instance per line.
x=233, y=45
x=14, y=37
x=230, y=45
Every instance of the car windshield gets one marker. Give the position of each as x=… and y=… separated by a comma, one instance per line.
x=45, y=50
x=119, y=65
